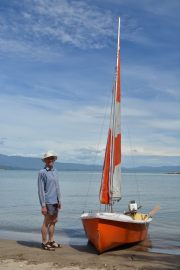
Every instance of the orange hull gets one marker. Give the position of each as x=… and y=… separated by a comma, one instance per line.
x=106, y=234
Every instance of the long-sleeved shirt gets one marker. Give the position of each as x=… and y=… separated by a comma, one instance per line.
x=48, y=186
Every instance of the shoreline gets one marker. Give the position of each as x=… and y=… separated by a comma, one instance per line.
x=28, y=255
x=150, y=245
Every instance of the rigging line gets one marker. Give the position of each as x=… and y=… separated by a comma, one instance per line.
x=97, y=148
x=110, y=127
x=95, y=158
x=132, y=158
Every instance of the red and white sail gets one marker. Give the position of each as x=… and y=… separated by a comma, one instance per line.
x=111, y=177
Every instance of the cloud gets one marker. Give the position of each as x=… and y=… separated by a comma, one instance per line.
x=167, y=124
x=56, y=126
x=79, y=133
x=53, y=23
x=24, y=48
x=41, y=28
x=150, y=82
x=161, y=8
x=74, y=22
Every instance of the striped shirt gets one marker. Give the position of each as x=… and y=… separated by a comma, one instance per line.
x=48, y=186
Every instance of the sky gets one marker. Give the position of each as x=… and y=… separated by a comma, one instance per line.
x=57, y=66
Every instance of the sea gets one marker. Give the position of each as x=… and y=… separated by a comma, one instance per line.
x=21, y=218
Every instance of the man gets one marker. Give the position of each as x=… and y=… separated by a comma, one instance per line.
x=49, y=197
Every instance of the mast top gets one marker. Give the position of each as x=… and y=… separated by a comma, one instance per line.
x=119, y=23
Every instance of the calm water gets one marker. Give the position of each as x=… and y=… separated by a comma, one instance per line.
x=20, y=216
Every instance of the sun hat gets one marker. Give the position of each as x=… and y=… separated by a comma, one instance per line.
x=49, y=154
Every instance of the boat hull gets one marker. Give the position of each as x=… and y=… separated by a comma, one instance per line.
x=106, y=234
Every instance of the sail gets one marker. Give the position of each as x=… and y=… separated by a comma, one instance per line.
x=104, y=189
x=116, y=177
x=110, y=189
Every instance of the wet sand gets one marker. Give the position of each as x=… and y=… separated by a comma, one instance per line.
x=28, y=255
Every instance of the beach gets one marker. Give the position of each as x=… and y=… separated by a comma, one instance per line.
x=28, y=255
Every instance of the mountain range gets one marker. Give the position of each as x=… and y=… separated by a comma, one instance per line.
x=34, y=163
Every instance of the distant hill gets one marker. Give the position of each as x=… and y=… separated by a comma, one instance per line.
x=149, y=169
x=32, y=163
x=2, y=167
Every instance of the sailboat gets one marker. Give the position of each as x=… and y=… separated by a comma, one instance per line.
x=107, y=230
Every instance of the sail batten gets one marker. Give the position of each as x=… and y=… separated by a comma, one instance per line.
x=111, y=180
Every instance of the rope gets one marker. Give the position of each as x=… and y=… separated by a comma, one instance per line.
x=97, y=149
x=132, y=160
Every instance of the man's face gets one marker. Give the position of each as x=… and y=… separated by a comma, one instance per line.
x=49, y=161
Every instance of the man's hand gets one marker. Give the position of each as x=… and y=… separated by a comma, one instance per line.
x=44, y=210
x=59, y=205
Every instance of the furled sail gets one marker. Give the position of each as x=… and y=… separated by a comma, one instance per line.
x=110, y=189
x=116, y=176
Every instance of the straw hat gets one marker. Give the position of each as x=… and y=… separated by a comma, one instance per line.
x=49, y=154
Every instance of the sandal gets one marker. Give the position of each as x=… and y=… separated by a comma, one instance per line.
x=47, y=246
x=54, y=244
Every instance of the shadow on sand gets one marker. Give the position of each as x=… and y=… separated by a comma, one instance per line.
x=88, y=248
x=31, y=244
x=141, y=246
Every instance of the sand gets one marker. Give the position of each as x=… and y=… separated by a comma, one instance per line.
x=29, y=256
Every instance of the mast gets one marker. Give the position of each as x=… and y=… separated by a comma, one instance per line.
x=116, y=174
x=110, y=189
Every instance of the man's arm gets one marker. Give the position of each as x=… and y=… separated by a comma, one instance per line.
x=41, y=194
x=58, y=192
x=41, y=190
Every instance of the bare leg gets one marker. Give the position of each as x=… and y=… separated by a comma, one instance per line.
x=51, y=232
x=44, y=229
x=53, y=221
